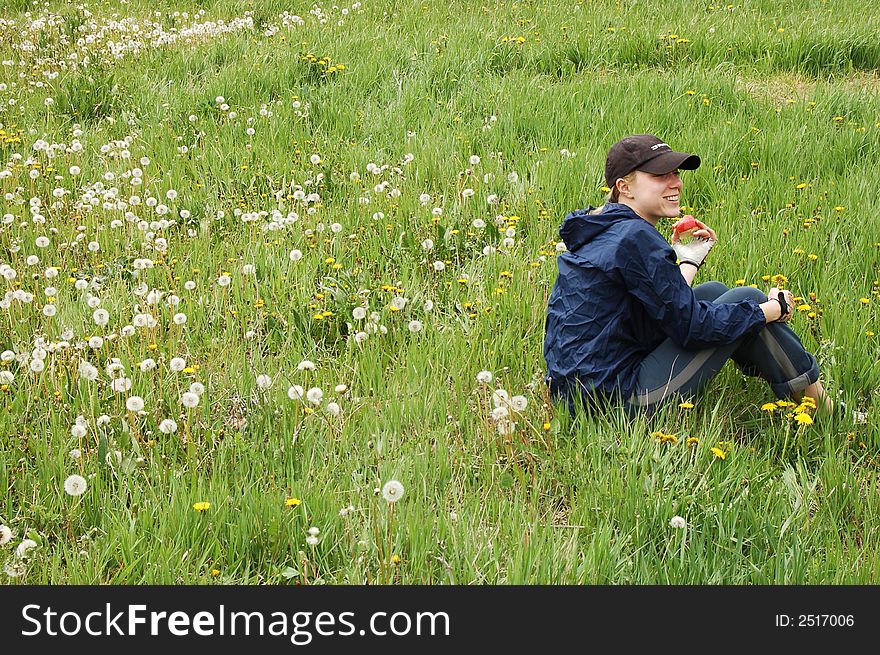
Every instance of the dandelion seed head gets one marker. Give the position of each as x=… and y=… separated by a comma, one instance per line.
x=392, y=491
x=75, y=485
x=189, y=399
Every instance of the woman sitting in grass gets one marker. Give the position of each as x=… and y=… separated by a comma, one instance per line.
x=623, y=323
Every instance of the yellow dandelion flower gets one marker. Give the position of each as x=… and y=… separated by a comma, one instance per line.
x=201, y=506
x=292, y=502
x=686, y=405
x=720, y=454
x=215, y=572
x=803, y=419
x=864, y=301
x=693, y=442
x=768, y=407
x=662, y=437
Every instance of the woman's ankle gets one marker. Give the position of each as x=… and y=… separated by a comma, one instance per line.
x=819, y=396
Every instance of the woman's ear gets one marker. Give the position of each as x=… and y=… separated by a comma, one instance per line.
x=623, y=188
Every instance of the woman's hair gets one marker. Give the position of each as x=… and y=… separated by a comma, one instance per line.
x=614, y=194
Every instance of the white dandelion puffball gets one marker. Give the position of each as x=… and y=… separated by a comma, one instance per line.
x=505, y=427
x=197, y=388
x=101, y=317
x=315, y=395
x=134, y=404
x=306, y=365
x=312, y=541
x=333, y=409
x=677, y=522
x=439, y=265
x=179, y=318
x=415, y=326
x=264, y=382
x=295, y=255
x=22, y=549
x=500, y=397
x=484, y=377
x=296, y=392
x=340, y=388
x=189, y=399
x=519, y=403
x=78, y=431
x=5, y=535
x=177, y=364
x=75, y=485
x=392, y=491
x=87, y=371
x=358, y=313
x=167, y=426
x=75, y=453
x=6, y=377
x=500, y=413
x=224, y=280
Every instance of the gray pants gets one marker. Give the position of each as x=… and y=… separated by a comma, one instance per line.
x=775, y=354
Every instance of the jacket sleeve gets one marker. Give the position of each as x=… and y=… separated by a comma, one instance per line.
x=651, y=275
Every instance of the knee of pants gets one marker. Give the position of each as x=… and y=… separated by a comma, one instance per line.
x=709, y=290
x=741, y=293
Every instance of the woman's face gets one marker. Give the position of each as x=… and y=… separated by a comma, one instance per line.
x=653, y=196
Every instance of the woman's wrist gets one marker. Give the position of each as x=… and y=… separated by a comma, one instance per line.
x=772, y=310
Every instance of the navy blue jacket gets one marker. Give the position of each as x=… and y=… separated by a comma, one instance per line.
x=618, y=295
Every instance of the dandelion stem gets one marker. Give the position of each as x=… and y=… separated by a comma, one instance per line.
x=390, y=529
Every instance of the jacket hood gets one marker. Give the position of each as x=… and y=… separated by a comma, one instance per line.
x=581, y=227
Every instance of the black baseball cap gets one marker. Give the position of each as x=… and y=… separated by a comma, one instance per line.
x=645, y=152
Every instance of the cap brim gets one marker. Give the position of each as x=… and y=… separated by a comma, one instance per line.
x=670, y=161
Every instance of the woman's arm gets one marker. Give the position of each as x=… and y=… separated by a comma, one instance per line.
x=689, y=272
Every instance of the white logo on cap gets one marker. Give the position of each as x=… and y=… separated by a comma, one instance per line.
x=660, y=145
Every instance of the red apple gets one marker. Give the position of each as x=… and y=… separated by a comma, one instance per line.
x=686, y=224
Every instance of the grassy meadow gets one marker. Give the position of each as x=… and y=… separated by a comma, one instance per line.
x=255, y=256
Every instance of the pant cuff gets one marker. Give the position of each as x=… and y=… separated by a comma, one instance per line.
x=796, y=385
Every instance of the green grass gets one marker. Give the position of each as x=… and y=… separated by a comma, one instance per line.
x=787, y=124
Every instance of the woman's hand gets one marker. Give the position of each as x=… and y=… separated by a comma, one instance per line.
x=695, y=250
x=788, y=296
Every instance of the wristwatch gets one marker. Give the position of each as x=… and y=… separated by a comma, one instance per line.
x=783, y=306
